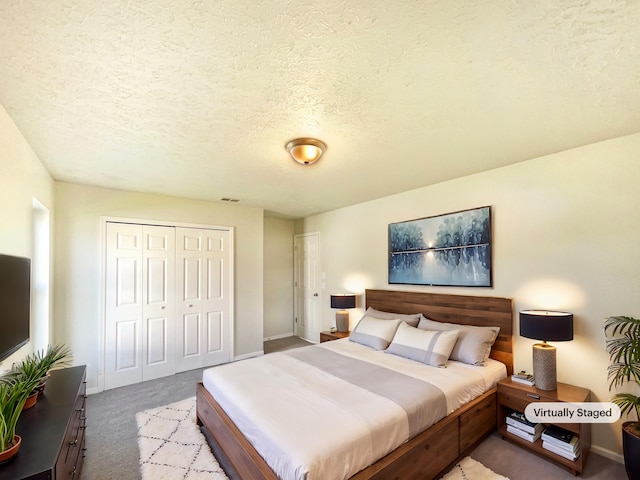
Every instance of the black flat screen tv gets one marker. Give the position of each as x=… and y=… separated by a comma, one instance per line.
x=15, y=303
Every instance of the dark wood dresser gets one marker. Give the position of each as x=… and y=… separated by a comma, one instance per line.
x=52, y=431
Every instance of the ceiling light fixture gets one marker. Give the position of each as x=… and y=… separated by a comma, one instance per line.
x=306, y=150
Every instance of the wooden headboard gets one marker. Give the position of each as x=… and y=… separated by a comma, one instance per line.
x=463, y=309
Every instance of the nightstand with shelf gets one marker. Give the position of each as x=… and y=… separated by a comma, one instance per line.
x=513, y=396
x=327, y=336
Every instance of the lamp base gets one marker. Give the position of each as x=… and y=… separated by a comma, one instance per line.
x=544, y=366
x=342, y=321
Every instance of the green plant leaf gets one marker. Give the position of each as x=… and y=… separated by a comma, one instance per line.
x=623, y=346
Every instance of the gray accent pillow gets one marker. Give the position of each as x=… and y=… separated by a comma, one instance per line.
x=412, y=319
x=474, y=343
x=426, y=346
x=375, y=332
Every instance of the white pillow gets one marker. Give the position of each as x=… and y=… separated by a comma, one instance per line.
x=426, y=346
x=375, y=332
x=474, y=343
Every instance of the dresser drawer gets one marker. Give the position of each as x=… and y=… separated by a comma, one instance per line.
x=71, y=453
x=519, y=398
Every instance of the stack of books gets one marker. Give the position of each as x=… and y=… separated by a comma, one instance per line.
x=517, y=424
x=524, y=378
x=561, y=442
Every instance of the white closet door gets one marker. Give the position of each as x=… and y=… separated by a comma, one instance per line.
x=124, y=305
x=203, y=333
x=140, y=303
x=158, y=311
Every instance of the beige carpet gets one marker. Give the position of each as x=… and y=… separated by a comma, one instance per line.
x=172, y=447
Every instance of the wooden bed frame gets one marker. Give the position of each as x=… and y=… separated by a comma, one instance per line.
x=428, y=454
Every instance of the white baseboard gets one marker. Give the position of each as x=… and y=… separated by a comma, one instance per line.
x=93, y=390
x=276, y=337
x=248, y=355
x=606, y=453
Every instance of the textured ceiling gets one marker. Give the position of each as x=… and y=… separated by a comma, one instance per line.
x=197, y=98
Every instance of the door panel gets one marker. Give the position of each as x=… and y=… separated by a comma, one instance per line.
x=127, y=353
x=157, y=290
x=308, y=286
x=218, y=326
x=123, y=305
x=191, y=335
x=157, y=337
x=215, y=269
x=191, y=282
x=214, y=327
x=189, y=301
x=204, y=292
x=127, y=278
x=159, y=302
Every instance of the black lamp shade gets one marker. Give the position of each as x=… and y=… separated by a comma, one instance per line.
x=343, y=301
x=546, y=326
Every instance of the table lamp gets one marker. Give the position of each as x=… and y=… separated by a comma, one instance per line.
x=546, y=325
x=343, y=301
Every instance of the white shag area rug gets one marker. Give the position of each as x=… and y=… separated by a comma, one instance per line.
x=470, y=469
x=172, y=446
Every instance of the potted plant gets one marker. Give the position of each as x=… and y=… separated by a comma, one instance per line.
x=28, y=370
x=623, y=347
x=14, y=390
x=37, y=365
x=54, y=357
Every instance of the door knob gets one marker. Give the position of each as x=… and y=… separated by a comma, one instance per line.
x=315, y=294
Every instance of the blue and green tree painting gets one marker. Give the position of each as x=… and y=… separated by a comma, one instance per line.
x=452, y=249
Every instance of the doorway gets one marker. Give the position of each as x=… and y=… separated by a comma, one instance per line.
x=307, y=282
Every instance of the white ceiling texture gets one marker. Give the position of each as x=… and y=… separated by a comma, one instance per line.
x=197, y=98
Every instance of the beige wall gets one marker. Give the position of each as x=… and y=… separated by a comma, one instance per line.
x=78, y=273
x=278, y=278
x=565, y=233
x=22, y=178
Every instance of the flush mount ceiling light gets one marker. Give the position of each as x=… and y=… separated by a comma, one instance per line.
x=306, y=150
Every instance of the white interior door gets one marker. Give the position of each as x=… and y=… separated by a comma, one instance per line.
x=158, y=311
x=308, y=286
x=203, y=330
x=124, y=305
x=140, y=303
x=168, y=300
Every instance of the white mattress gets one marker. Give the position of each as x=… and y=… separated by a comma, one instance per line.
x=308, y=423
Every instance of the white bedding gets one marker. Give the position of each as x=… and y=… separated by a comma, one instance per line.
x=310, y=424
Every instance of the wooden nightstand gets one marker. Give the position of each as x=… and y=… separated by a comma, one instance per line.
x=328, y=336
x=515, y=396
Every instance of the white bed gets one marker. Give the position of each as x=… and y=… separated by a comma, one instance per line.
x=338, y=412
x=289, y=405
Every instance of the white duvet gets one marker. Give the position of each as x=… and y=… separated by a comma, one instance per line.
x=310, y=424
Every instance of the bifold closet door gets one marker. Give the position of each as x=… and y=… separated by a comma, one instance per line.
x=139, y=302
x=203, y=330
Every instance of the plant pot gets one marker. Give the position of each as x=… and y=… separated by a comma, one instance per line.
x=43, y=382
x=631, y=450
x=31, y=400
x=11, y=451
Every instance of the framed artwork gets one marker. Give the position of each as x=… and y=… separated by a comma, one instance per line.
x=453, y=249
